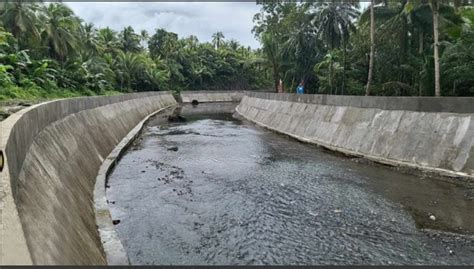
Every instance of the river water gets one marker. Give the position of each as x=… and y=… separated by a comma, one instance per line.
x=216, y=190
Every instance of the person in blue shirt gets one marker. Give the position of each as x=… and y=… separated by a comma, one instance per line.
x=300, y=89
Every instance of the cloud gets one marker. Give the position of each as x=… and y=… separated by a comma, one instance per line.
x=202, y=19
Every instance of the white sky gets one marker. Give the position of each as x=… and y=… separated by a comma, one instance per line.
x=184, y=18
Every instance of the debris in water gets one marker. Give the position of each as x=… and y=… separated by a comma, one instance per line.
x=115, y=221
x=337, y=211
x=174, y=148
x=176, y=118
x=432, y=217
x=313, y=213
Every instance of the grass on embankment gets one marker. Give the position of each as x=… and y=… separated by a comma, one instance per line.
x=13, y=98
x=14, y=94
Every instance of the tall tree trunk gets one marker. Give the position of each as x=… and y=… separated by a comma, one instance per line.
x=435, y=10
x=331, y=77
x=372, y=48
x=404, y=43
x=420, y=41
x=292, y=85
x=343, y=67
x=275, y=78
x=420, y=51
x=404, y=36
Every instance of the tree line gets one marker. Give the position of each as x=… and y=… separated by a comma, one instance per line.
x=48, y=51
x=417, y=47
x=406, y=47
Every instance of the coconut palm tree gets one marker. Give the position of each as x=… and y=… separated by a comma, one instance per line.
x=127, y=66
x=130, y=41
x=233, y=44
x=191, y=42
x=108, y=40
x=217, y=39
x=334, y=22
x=163, y=44
x=90, y=41
x=273, y=51
x=144, y=37
x=21, y=18
x=61, y=29
x=372, y=48
x=434, y=4
x=302, y=46
x=447, y=18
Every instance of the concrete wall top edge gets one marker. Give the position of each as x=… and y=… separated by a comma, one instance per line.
x=408, y=103
x=202, y=91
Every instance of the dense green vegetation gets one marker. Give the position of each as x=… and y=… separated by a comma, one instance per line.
x=327, y=45
x=47, y=51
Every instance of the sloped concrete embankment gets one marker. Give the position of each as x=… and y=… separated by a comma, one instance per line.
x=434, y=134
x=211, y=96
x=53, y=153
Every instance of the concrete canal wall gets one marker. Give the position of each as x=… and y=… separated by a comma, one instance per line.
x=424, y=132
x=53, y=153
x=211, y=96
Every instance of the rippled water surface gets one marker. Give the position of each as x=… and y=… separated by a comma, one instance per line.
x=214, y=190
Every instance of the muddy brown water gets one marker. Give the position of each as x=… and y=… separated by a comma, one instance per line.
x=217, y=190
